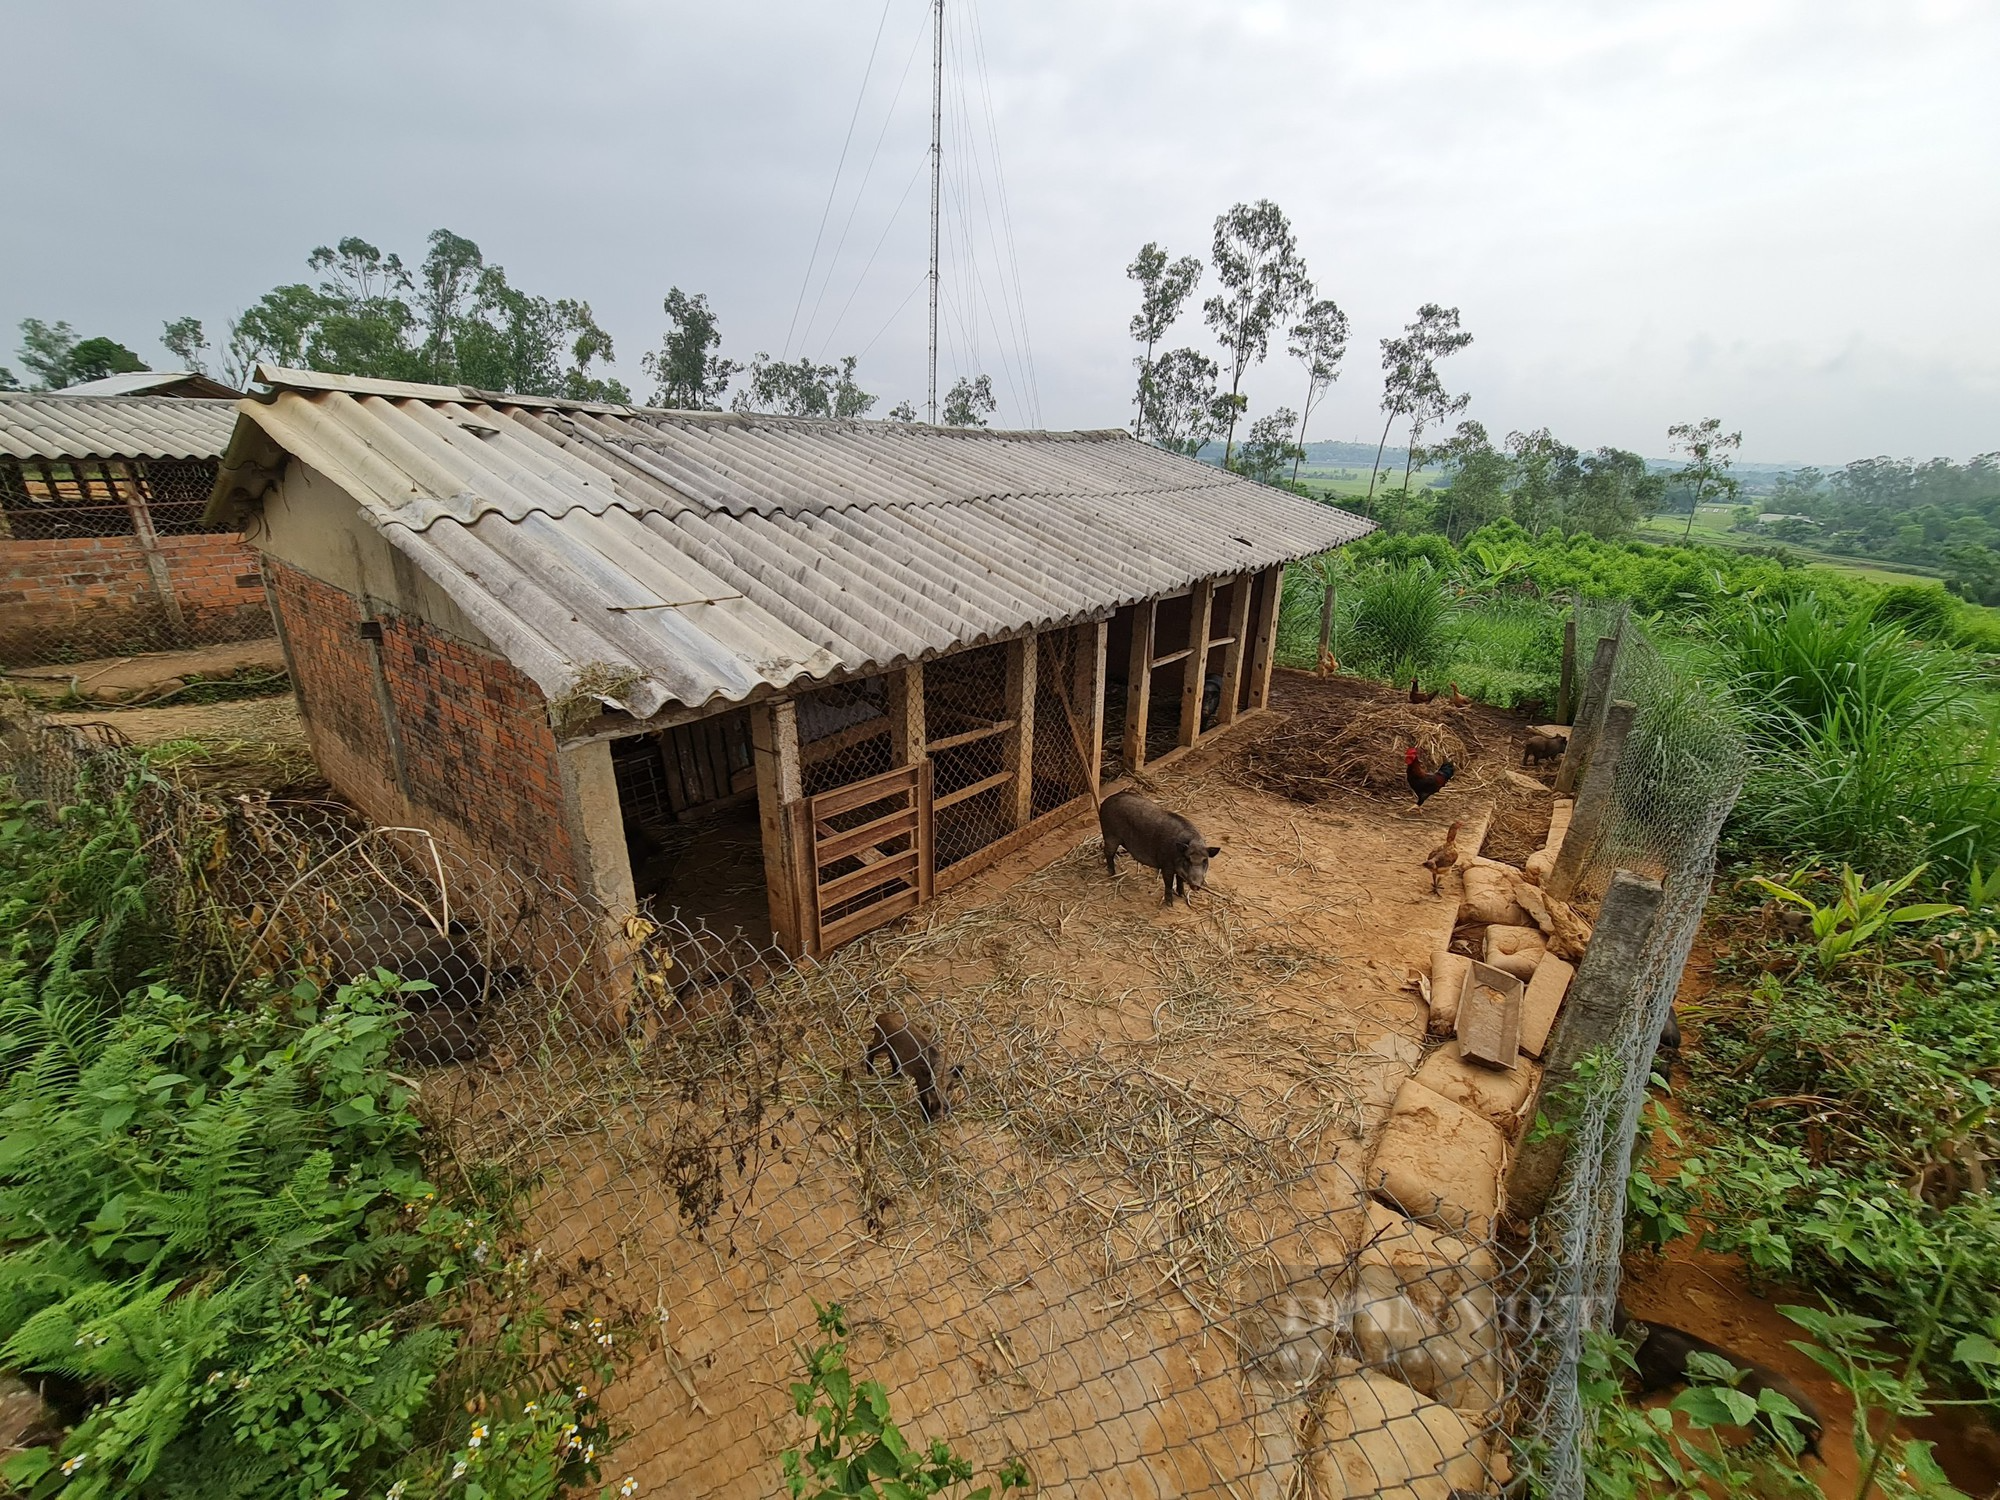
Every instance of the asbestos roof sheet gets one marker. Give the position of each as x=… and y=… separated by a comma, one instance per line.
x=655, y=558
x=58, y=425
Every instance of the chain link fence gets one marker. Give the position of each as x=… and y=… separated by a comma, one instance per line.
x=108, y=558
x=1143, y=1260
x=1676, y=782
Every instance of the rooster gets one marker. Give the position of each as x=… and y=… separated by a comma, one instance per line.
x=1443, y=858
x=1458, y=699
x=1426, y=784
x=1417, y=697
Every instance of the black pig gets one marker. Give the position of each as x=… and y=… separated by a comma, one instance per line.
x=1662, y=1360
x=1159, y=840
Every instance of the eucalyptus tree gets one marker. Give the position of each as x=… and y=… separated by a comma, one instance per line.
x=1319, y=342
x=184, y=339
x=1264, y=282
x=1164, y=287
x=1178, y=403
x=970, y=402
x=1410, y=384
x=688, y=376
x=802, y=388
x=1710, y=453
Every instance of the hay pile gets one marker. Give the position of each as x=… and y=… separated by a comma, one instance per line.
x=1329, y=744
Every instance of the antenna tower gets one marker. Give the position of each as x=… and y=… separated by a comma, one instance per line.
x=937, y=164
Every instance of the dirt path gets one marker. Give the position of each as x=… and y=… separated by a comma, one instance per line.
x=121, y=679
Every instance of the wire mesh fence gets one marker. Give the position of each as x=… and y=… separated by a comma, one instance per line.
x=113, y=557
x=1144, y=1266
x=1676, y=782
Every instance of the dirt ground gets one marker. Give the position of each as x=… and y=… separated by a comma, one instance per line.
x=1156, y=1102
x=239, y=744
x=122, y=679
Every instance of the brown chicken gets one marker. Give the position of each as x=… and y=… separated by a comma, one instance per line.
x=1443, y=858
x=1417, y=697
x=1458, y=699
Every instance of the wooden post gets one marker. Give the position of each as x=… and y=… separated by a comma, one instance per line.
x=1589, y=714
x=1264, y=648
x=1233, y=655
x=1566, y=693
x=1593, y=803
x=1327, y=602
x=774, y=746
x=906, y=714
x=1194, y=666
x=1017, y=746
x=1601, y=1000
x=1139, y=683
x=1087, y=693
x=149, y=543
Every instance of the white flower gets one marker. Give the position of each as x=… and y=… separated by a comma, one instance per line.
x=396, y=1490
x=478, y=1436
x=458, y=1469
x=589, y=1452
x=604, y=1339
x=302, y=1281
x=531, y=1408
x=71, y=1465
x=480, y=1252
x=243, y=1384
x=629, y=1488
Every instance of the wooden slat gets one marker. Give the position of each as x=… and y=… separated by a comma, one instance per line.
x=971, y=736
x=869, y=918
x=1173, y=656
x=952, y=799
x=1092, y=641
x=926, y=843
x=828, y=849
x=1139, y=685
x=1017, y=753
x=1238, y=638
x=815, y=751
x=774, y=737
x=1194, y=676
x=860, y=793
x=899, y=867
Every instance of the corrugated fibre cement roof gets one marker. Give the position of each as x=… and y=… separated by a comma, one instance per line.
x=662, y=558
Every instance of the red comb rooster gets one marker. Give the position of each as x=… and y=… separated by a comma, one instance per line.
x=1426, y=784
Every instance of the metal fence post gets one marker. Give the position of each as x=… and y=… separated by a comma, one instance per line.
x=1605, y=989
x=1593, y=802
x=1590, y=713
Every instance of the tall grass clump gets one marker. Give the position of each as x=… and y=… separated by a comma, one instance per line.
x=1866, y=745
x=1402, y=621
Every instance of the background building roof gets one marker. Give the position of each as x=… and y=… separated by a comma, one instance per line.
x=62, y=424
x=154, y=383
x=655, y=558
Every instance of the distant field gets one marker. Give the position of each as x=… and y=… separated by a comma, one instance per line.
x=1712, y=523
x=1354, y=481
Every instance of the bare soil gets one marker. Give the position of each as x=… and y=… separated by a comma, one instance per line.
x=1156, y=1100
x=124, y=679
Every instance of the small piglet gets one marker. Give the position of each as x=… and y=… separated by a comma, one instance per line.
x=1541, y=747
x=1662, y=1360
x=913, y=1052
x=1159, y=840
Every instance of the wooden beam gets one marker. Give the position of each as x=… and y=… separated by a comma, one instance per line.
x=1194, y=676
x=906, y=714
x=1173, y=656
x=774, y=747
x=1018, y=748
x=972, y=736
x=149, y=543
x=967, y=793
x=1139, y=684
x=1264, y=646
x=1239, y=637
x=1091, y=641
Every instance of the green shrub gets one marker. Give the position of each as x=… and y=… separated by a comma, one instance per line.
x=1401, y=621
x=1923, y=609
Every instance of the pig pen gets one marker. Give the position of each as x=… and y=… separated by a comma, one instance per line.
x=1138, y=1252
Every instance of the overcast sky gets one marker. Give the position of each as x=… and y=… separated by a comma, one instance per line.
x=1783, y=214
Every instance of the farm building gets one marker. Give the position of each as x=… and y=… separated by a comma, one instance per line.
x=103, y=546
x=793, y=676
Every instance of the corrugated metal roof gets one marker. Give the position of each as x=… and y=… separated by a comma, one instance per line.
x=153, y=382
x=58, y=425
x=710, y=557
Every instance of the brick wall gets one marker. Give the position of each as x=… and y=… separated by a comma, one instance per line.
x=480, y=763
x=75, y=597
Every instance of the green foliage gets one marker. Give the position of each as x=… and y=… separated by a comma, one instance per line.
x=1923, y=609
x=1402, y=621
x=690, y=377
x=55, y=357
x=969, y=402
x=221, y=1231
x=1859, y=914
x=1938, y=514
x=185, y=340
x=857, y=1449
x=1268, y=452
x=802, y=389
x=457, y=321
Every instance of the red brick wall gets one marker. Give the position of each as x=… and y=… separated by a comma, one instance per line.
x=481, y=767
x=78, y=597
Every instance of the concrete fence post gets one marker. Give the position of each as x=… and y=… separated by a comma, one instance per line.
x=1566, y=692
x=1589, y=713
x=1602, y=999
x=1593, y=802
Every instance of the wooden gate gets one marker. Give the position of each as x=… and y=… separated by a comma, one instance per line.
x=869, y=854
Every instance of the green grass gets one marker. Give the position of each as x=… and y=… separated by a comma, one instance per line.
x=1712, y=526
